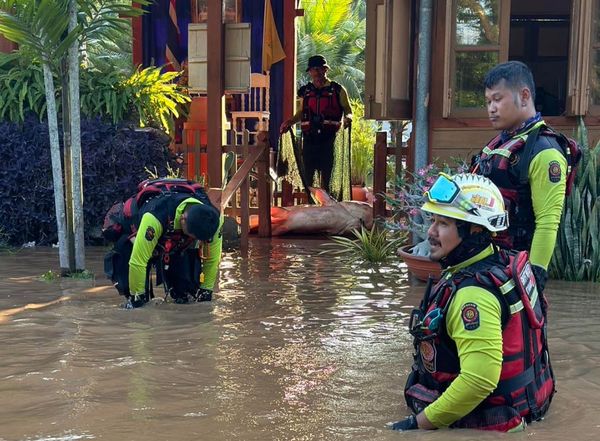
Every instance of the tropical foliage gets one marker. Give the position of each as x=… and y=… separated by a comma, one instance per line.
x=363, y=141
x=335, y=29
x=577, y=250
x=375, y=245
x=146, y=98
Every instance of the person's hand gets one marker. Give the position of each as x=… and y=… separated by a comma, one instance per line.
x=408, y=423
x=204, y=295
x=285, y=126
x=541, y=277
x=136, y=301
x=347, y=122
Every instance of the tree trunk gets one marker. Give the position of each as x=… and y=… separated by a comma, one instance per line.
x=57, y=176
x=75, y=117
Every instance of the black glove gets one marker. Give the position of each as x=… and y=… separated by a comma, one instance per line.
x=135, y=302
x=541, y=277
x=203, y=295
x=408, y=423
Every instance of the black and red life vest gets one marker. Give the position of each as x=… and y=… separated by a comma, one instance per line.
x=321, y=109
x=526, y=383
x=506, y=164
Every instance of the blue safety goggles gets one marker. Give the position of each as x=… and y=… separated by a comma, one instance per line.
x=444, y=190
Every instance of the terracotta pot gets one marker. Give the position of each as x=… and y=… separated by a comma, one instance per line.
x=419, y=266
x=359, y=193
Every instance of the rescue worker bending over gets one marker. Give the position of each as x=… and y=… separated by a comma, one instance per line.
x=180, y=236
x=481, y=358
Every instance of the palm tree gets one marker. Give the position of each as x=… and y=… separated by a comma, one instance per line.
x=50, y=31
x=335, y=29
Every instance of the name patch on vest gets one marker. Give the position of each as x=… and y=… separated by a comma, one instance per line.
x=427, y=351
x=150, y=233
x=470, y=316
x=554, y=171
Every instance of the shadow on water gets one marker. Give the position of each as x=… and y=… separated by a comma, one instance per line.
x=295, y=346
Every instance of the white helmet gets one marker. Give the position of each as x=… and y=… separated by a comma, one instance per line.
x=468, y=197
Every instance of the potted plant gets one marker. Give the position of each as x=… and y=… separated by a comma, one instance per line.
x=362, y=151
x=406, y=202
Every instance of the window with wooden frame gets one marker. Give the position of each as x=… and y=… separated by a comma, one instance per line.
x=555, y=39
x=477, y=39
x=232, y=11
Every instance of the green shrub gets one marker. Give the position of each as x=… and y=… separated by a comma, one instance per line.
x=145, y=98
x=375, y=245
x=363, y=142
x=577, y=250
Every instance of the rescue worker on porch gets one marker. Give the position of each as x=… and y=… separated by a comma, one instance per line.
x=532, y=178
x=481, y=358
x=324, y=103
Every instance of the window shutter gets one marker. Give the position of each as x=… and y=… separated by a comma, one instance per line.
x=579, y=60
x=388, y=79
x=237, y=57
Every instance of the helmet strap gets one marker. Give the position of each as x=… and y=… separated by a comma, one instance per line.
x=471, y=244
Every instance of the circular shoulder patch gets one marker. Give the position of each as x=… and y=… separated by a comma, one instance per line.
x=150, y=233
x=470, y=316
x=554, y=171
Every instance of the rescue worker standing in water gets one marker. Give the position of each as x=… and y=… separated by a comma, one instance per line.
x=528, y=162
x=324, y=103
x=481, y=358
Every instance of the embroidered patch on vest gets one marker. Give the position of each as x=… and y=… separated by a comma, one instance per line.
x=427, y=351
x=554, y=171
x=150, y=233
x=470, y=316
x=514, y=159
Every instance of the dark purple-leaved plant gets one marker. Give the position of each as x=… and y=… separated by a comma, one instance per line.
x=114, y=161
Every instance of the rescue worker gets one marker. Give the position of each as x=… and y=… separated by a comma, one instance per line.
x=181, y=236
x=324, y=103
x=532, y=178
x=481, y=358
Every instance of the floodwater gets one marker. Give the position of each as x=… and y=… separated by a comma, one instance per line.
x=295, y=346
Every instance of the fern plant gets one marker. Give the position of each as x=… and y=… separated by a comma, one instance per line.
x=375, y=245
x=577, y=250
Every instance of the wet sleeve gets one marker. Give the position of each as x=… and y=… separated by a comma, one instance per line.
x=547, y=178
x=474, y=324
x=149, y=232
x=212, y=261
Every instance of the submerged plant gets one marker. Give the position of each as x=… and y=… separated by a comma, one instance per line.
x=375, y=245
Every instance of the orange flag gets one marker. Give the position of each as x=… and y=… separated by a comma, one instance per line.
x=272, y=50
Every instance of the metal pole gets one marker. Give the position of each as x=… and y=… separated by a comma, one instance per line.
x=423, y=78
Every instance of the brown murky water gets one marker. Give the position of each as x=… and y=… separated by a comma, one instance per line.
x=295, y=346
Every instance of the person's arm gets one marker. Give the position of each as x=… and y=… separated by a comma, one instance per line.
x=345, y=103
x=547, y=178
x=149, y=231
x=474, y=324
x=210, y=266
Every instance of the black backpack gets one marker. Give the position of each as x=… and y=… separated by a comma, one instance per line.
x=120, y=217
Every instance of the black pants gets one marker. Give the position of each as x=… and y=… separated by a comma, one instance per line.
x=180, y=277
x=317, y=153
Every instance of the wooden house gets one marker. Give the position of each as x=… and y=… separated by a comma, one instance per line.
x=426, y=61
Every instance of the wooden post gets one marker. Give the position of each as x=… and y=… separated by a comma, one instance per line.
x=264, y=186
x=136, y=37
x=379, y=174
x=215, y=41
x=245, y=195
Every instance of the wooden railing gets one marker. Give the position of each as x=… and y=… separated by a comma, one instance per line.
x=234, y=197
x=381, y=153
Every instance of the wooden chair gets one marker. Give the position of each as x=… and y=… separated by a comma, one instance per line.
x=253, y=107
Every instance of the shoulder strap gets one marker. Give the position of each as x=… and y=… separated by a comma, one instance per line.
x=532, y=138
